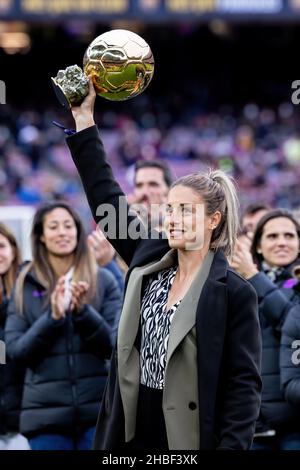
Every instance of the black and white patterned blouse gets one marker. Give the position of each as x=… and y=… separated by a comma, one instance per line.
x=156, y=322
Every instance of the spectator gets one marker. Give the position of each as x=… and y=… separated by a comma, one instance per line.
x=268, y=267
x=252, y=214
x=11, y=375
x=289, y=355
x=152, y=180
x=61, y=326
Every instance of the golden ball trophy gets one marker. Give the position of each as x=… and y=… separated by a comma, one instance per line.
x=120, y=64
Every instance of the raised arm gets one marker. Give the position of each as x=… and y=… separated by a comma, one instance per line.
x=125, y=230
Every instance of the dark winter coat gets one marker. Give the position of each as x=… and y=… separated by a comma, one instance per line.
x=275, y=300
x=11, y=385
x=65, y=360
x=290, y=359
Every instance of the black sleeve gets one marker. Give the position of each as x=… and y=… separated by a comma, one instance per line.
x=101, y=188
x=290, y=357
x=242, y=384
x=273, y=304
x=27, y=343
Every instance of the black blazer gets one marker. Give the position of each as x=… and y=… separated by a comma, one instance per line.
x=228, y=333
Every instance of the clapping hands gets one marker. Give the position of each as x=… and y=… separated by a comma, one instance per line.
x=78, y=295
x=72, y=297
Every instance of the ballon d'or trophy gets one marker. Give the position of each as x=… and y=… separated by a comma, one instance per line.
x=120, y=64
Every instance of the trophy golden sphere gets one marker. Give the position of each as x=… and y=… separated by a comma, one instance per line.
x=120, y=64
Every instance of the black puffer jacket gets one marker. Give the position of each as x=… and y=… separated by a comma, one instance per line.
x=290, y=357
x=65, y=359
x=275, y=300
x=11, y=385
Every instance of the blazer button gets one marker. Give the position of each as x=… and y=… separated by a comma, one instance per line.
x=192, y=405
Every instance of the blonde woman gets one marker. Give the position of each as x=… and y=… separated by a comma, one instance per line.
x=185, y=373
x=60, y=326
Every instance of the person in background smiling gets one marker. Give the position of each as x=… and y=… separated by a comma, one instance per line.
x=61, y=324
x=268, y=267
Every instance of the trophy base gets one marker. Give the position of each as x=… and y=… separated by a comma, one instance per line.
x=60, y=94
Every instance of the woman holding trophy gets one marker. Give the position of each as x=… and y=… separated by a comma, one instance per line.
x=185, y=371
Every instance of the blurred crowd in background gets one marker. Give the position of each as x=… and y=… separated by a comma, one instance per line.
x=226, y=105
x=206, y=106
x=260, y=147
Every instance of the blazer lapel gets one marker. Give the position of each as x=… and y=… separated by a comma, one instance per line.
x=185, y=316
x=130, y=316
x=128, y=356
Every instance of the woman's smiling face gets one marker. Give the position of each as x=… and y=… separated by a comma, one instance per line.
x=59, y=232
x=186, y=224
x=279, y=243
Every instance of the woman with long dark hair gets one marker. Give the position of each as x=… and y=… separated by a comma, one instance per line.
x=269, y=268
x=61, y=324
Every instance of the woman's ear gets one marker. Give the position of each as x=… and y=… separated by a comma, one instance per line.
x=42, y=238
x=216, y=219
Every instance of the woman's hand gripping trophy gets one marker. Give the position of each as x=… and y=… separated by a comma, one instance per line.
x=84, y=114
